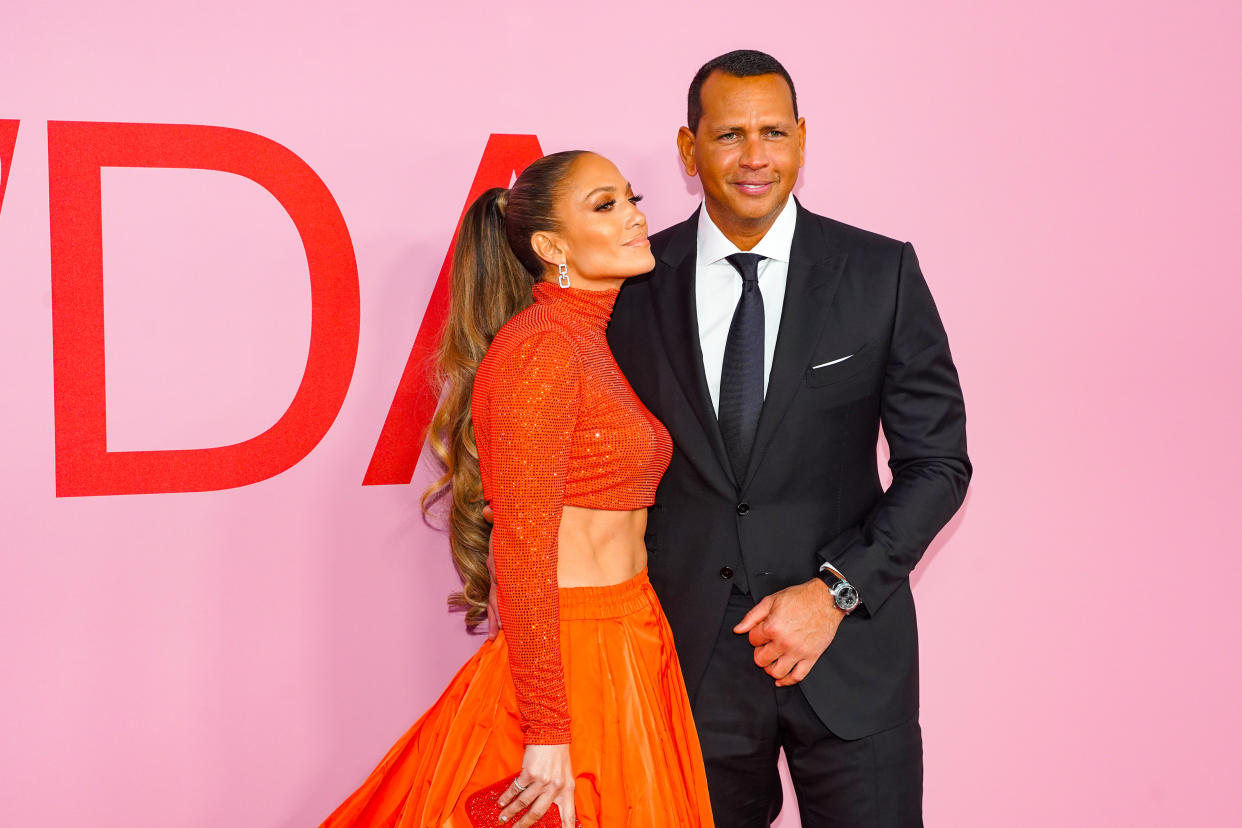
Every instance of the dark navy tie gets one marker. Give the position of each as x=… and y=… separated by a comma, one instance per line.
x=741, y=376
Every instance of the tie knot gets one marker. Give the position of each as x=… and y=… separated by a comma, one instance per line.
x=746, y=264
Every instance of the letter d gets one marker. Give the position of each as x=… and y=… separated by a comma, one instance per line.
x=76, y=153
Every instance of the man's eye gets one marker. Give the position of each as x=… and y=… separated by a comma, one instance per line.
x=607, y=205
x=728, y=136
x=777, y=133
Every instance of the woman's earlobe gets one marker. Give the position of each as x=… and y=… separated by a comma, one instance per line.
x=546, y=248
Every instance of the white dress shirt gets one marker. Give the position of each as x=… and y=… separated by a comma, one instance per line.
x=718, y=287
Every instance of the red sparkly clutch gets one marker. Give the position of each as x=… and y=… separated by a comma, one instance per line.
x=484, y=811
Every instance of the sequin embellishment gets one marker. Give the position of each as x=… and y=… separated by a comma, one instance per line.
x=556, y=424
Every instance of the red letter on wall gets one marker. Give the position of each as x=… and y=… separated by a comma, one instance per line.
x=84, y=466
x=401, y=440
x=8, y=138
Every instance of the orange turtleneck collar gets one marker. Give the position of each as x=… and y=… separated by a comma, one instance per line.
x=593, y=306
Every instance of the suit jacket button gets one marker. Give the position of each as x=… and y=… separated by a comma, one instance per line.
x=726, y=572
x=743, y=508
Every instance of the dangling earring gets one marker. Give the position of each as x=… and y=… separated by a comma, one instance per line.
x=562, y=278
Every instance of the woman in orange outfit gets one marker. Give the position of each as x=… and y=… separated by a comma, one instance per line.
x=580, y=694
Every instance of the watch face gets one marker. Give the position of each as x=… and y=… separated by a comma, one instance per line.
x=846, y=597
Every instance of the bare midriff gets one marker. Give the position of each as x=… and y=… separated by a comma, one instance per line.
x=600, y=547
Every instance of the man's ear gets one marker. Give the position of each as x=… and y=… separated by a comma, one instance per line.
x=685, y=148
x=548, y=247
x=801, y=141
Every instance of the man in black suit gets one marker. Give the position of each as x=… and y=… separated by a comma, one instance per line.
x=773, y=343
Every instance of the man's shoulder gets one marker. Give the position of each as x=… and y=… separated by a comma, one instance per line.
x=660, y=240
x=684, y=230
x=813, y=228
x=832, y=233
x=847, y=237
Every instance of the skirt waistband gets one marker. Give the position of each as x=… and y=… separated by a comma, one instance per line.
x=612, y=601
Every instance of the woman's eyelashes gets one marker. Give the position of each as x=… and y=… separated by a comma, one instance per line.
x=612, y=202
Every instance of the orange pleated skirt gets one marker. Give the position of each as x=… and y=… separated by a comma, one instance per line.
x=633, y=745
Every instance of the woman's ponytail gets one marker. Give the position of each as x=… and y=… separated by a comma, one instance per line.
x=494, y=268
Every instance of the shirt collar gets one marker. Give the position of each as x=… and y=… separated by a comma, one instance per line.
x=713, y=246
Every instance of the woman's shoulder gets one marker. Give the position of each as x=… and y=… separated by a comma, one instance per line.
x=532, y=335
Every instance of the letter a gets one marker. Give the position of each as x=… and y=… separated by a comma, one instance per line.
x=76, y=153
x=401, y=440
x=8, y=137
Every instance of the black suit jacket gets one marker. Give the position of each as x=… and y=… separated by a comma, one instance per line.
x=812, y=492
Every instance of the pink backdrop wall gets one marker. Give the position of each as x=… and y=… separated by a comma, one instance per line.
x=1068, y=172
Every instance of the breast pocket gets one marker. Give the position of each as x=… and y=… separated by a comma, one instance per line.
x=832, y=369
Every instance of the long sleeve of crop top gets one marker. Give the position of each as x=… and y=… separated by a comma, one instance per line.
x=532, y=407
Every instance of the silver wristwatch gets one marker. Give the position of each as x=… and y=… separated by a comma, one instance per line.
x=843, y=593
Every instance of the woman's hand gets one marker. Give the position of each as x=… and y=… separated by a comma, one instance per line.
x=546, y=778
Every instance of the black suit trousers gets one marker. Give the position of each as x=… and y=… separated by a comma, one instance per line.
x=744, y=721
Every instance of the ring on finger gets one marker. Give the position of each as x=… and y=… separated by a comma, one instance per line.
x=519, y=787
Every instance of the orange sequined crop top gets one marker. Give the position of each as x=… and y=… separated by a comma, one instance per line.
x=556, y=424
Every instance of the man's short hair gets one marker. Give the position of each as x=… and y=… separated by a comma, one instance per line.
x=742, y=63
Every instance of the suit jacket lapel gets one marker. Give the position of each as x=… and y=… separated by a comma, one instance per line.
x=677, y=317
x=814, y=273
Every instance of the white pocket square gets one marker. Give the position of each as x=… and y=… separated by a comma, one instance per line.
x=831, y=362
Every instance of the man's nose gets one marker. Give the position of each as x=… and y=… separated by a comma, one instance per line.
x=754, y=155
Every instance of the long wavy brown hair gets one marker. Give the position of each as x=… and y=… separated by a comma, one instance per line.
x=494, y=268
